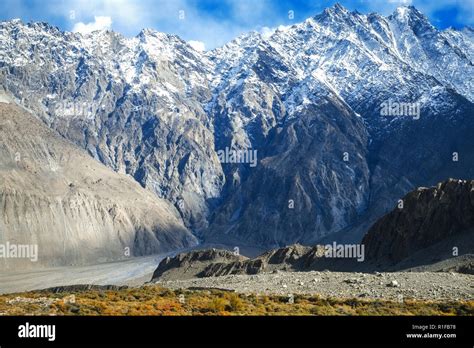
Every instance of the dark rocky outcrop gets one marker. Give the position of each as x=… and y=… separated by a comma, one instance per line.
x=213, y=263
x=192, y=264
x=83, y=288
x=428, y=216
x=237, y=267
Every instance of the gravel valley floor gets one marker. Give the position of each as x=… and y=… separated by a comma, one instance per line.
x=131, y=272
x=394, y=286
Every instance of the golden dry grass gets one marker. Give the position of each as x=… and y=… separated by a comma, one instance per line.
x=155, y=300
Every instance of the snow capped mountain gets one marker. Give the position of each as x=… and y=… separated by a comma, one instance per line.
x=308, y=98
x=355, y=56
x=134, y=104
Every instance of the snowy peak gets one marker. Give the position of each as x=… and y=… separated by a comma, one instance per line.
x=18, y=27
x=336, y=15
x=161, y=41
x=407, y=14
x=337, y=9
x=410, y=17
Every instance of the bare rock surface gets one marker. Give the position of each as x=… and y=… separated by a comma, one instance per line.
x=192, y=264
x=76, y=210
x=425, y=217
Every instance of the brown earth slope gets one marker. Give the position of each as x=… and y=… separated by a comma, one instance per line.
x=75, y=209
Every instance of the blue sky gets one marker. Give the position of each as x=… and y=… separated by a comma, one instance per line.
x=212, y=23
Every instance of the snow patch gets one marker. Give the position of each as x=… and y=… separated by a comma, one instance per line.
x=100, y=23
x=197, y=45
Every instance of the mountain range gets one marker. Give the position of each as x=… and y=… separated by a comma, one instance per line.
x=307, y=99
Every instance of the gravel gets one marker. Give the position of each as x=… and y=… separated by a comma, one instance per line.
x=393, y=286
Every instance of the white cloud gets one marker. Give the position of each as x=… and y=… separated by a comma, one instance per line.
x=266, y=32
x=100, y=23
x=197, y=45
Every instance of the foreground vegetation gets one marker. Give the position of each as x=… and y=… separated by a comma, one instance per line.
x=155, y=300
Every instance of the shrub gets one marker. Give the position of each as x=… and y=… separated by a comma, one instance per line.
x=217, y=305
x=235, y=302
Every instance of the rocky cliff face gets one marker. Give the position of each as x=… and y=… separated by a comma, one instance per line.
x=426, y=216
x=215, y=263
x=307, y=98
x=194, y=263
x=312, y=180
x=76, y=210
